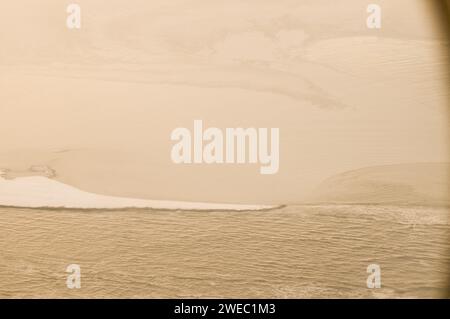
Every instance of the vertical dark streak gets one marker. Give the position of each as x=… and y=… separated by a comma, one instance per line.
x=443, y=13
x=442, y=7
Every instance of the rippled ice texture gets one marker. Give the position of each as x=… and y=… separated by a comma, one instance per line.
x=294, y=252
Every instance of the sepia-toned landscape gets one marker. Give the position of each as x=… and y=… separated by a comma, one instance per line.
x=86, y=175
